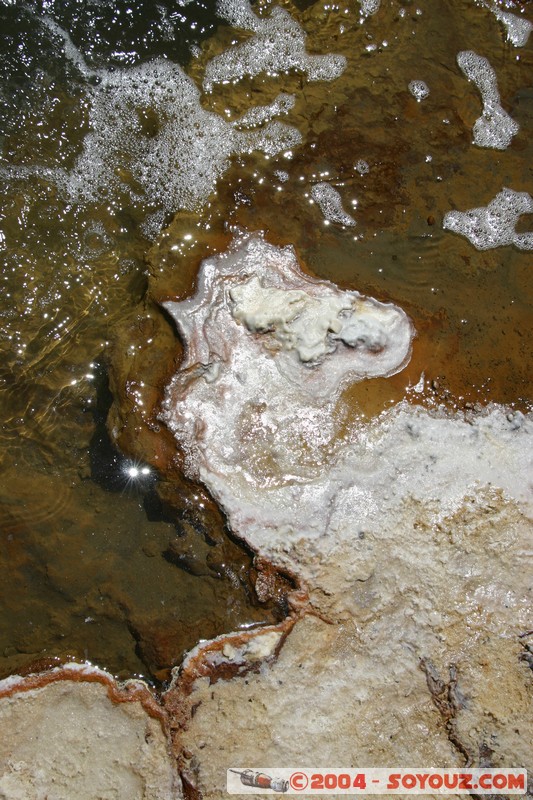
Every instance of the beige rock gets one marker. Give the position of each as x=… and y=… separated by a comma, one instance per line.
x=74, y=733
x=424, y=670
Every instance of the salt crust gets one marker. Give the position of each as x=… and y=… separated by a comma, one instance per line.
x=409, y=534
x=495, y=128
x=261, y=429
x=257, y=648
x=330, y=203
x=267, y=348
x=278, y=45
x=65, y=738
x=494, y=225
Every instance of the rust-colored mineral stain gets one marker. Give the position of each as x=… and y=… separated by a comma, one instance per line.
x=131, y=692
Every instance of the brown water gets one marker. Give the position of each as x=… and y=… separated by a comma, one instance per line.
x=128, y=572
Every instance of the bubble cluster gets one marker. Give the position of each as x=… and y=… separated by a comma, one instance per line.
x=261, y=114
x=419, y=90
x=494, y=225
x=150, y=136
x=330, y=203
x=278, y=45
x=495, y=128
x=518, y=29
x=369, y=7
x=362, y=167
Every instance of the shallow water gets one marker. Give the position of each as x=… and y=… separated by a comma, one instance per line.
x=95, y=564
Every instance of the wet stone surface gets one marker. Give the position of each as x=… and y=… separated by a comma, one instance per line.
x=100, y=562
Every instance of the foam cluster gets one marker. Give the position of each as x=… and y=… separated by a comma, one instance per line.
x=172, y=151
x=419, y=90
x=518, y=29
x=494, y=225
x=258, y=115
x=278, y=45
x=266, y=351
x=495, y=128
x=369, y=7
x=330, y=203
x=149, y=120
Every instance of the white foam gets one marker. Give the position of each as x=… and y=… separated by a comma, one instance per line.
x=261, y=114
x=71, y=51
x=278, y=45
x=494, y=225
x=419, y=90
x=330, y=203
x=518, y=29
x=274, y=138
x=369, y=7
x=495, y=128
x=150, y=136
x=238, y=13
x=149, y=119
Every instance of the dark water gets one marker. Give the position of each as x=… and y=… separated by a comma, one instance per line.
x=94, y=564
x=99, y=559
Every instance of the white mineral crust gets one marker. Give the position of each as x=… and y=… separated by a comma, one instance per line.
x=267, y=348
x=256, y=408
x=68, y=738
x=410, y=534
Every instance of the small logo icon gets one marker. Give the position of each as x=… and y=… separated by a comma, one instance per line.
x=261, y=781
